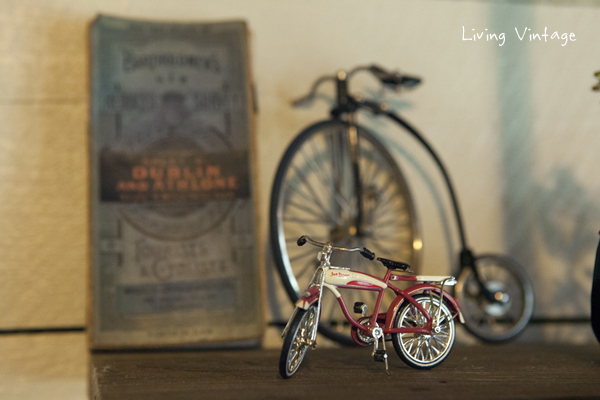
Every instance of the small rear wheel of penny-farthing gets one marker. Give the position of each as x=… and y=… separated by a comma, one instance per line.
x=506, y=315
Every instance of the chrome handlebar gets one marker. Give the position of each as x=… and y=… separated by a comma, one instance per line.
x=302, y=240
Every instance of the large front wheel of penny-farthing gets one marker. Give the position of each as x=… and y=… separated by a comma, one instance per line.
x=420, y=350
x=321, y=190
x=297, y=341
x=507, y=314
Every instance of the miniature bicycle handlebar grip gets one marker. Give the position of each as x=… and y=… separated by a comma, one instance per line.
x=366, y=253
x=301, y=241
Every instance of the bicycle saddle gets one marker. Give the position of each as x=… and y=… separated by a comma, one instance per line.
x=393, y=264
x=394, y=79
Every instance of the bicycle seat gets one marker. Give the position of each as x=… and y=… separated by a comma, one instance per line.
x=393, y=264
x=394, y=79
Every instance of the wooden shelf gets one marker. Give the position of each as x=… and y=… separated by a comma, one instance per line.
x=513, y=371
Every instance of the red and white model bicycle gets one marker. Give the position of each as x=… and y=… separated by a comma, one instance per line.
x=420, y=318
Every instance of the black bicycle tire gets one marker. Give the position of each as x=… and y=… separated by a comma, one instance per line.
x=273, y=228
x=529, y=299
x=287, y=344
x=595, y=296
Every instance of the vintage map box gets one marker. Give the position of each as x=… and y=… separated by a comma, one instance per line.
x=174, y=255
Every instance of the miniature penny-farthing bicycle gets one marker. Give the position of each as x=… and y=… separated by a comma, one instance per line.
x=338, y=183
x=420, y=319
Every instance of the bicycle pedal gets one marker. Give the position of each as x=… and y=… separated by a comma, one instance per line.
x=380, y=355
x=360, y=308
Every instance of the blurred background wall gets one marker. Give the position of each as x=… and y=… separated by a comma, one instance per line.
x=517, y=125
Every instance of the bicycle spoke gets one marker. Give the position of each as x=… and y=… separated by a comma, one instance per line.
x=305, y=198
x=385, y=200
x=384, y=209
x=304, y=220
x=343, y=203
x=419, y=350
x=395, y=241
x=369, y=172
x=311, y=190
x=383, y=251
x=303, y=254
x=309, y=266
x=311, y=211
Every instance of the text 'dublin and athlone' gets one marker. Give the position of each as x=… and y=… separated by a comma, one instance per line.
x=524, y=35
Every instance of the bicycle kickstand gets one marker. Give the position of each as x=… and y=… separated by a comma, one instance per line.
x=380, y=355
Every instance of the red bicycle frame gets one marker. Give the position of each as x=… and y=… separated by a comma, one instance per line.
x=347, y=279
x=435, y=331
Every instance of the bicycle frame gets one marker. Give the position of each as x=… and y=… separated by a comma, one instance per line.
x=332, y=278
x=348, y=279
x=347, y=106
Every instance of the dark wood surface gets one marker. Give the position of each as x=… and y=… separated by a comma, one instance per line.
x=470, y=372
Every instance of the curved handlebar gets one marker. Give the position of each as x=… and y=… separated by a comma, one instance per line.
x=366, y=253
x=313, y=91
x=391, y=80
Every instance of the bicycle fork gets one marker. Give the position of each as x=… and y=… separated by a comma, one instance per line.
x=316, y=281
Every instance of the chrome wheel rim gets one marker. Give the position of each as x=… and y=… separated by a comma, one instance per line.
x=426, y=349
x=301, y=341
